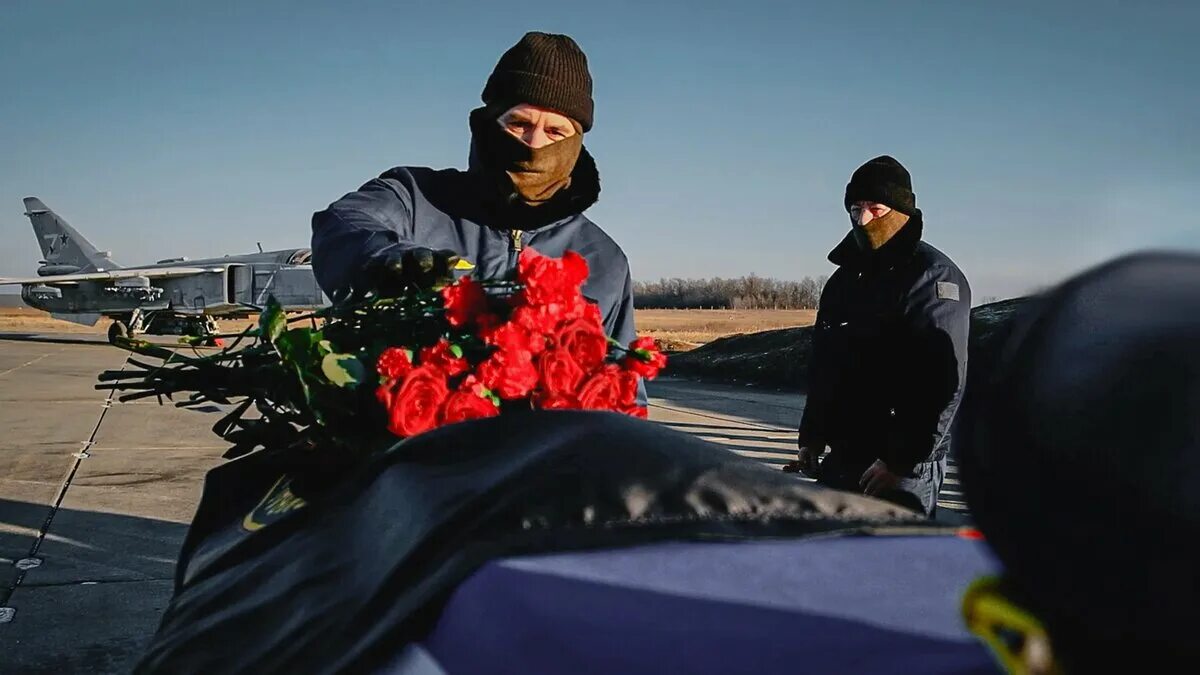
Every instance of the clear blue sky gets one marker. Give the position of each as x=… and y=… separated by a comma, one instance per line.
x=1042, y=136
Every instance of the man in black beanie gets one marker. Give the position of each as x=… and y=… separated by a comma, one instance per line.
x=889, y=353
x=528, y=183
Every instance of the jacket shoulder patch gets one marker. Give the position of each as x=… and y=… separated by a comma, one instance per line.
x=947, y=290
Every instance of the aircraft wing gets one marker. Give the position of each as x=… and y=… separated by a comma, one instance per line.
x=111, y=275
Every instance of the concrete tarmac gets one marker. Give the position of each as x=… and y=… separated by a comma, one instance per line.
x=95, y=495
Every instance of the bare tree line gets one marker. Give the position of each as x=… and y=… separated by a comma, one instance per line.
x=752, y=292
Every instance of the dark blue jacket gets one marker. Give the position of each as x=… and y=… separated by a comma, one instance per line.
x=411, y=207
x=889, y=355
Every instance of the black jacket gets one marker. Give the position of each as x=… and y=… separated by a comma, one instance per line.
x=889, y=355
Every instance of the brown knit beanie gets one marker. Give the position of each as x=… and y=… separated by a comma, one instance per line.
x=549, y=71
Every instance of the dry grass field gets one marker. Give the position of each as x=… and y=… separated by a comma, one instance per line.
x=681, y=329
x=677, y=329
x=28, y=320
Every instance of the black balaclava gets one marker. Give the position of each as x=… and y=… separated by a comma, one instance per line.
x=537, y=185
x=530, y=176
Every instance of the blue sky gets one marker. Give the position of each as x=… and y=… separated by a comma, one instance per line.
x=1042, y=136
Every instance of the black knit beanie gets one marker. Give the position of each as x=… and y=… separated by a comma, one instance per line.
x=882, y=180
x=549, y=71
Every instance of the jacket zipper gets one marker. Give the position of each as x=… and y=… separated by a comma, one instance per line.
x=516, y=238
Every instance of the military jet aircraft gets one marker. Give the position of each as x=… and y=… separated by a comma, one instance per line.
x=79, y=283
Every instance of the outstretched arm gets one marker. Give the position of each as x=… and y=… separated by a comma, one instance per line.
x=359, y=233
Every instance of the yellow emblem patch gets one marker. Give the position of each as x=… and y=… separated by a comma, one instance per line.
x=277, y=503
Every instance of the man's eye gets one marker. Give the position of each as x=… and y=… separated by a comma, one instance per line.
x=556, y=132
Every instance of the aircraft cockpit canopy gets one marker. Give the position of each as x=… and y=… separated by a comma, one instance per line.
x=301, y=256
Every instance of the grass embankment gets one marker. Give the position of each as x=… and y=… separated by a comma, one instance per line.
x=780, y=357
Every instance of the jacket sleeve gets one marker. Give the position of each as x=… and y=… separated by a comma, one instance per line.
x=356, y=232
x=937, y=322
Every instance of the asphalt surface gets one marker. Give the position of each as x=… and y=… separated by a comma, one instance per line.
x=95, y=495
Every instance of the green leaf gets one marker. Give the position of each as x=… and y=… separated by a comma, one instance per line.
x=456, y=350
x=295, y=346
x=272, y=321
x=324, y=347
x=343, y=370
x=308, y=395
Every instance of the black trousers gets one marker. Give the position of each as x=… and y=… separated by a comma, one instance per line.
x=918, y=490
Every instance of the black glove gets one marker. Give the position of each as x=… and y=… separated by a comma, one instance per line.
x=420, y=267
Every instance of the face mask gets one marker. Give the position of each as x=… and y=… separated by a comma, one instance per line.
x=535, y=174
x=875, y=234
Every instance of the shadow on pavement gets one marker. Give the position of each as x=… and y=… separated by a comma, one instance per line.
x=97, y=594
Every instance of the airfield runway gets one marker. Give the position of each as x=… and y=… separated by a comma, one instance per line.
x=95, y=495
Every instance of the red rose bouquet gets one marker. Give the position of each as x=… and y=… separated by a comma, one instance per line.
x=382, y=368
x=542, y=346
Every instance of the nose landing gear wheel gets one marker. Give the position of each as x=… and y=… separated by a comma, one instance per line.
x=118, y=329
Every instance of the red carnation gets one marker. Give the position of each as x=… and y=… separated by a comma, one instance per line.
x=602, y=391
x=575, y=268
x=510, y=374
x=394, y=363
x=585, y=340
x=511, y=336
x=578, y=307
x=487, y=321
x=442, y=355
x=471, y=401
x=547, y=401
x=644, y=358
x=415, y=407
x=539, y=319
x=549, y=280
x=465, y=302
x=629, y=387
x=560, y=373
x=591, y=312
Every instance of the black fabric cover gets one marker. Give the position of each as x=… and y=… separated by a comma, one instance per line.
x=347, y=580
x=1080, y=455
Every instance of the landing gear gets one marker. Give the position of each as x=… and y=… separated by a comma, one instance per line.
x=128, y=327
x=118, y=330
x=137, y=321
x=209, y=332
x=204, y=328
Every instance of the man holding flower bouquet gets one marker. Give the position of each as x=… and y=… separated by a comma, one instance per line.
x=529, y=181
